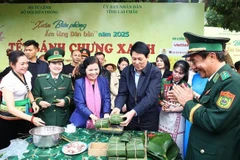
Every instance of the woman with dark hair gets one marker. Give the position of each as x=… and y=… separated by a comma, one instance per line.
x=17, y=100
x=162, y=63
x=115, y=76
x=91, y=95
x=53, y=91
x=170, y=118
x=122, y=63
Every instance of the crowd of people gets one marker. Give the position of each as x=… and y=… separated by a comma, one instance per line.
x=196, y=102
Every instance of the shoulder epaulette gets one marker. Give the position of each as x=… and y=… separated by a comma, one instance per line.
x=225, y=75
x=66, y=75
x=42, y=75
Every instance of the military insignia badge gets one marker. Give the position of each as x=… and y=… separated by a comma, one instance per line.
x=216, y=78
x=55, y=53
x=46, y=88
x=225, y=75
x=225, y=99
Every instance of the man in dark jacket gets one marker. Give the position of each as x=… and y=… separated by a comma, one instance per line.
x=139, y=87
x=104, y=72
x=36, y=66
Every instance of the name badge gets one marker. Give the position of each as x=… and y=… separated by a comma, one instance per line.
x=47, y=88
x=61, y=88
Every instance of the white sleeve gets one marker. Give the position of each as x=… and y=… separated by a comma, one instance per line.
x=28, y=77
x=7, y=82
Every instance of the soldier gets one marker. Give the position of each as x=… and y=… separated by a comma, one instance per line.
x=53, y=92
x=84, y=54
x=215, y=116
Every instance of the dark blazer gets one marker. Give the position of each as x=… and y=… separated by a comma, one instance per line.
x=39, y=67
x=166, y=74
x=82, y=112
x=144, y=98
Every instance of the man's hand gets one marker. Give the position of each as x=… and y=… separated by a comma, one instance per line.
x=115, y=111
x=183, y=93
x=129, y=115
x=171, y=96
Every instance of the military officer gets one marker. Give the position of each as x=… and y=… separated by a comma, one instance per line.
x=53, y=92
x=215, y=116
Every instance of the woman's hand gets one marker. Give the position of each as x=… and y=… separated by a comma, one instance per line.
x=165, y=105
x=44, y=104
x=94, y=118
x=171, y=106
x=61, y=103
x=35, y=107
x=37, y=121
x=106, y=115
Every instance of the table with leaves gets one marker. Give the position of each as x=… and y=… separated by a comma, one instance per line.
x=84, y=135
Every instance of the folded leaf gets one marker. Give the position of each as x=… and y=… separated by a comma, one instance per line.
x=162, y=146
x=126, y=137
x=116, y=119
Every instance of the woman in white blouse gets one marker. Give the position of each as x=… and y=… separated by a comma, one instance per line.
x=18, y=101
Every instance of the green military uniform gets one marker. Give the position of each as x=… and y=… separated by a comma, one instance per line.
x=46, y=89
x=215, y=117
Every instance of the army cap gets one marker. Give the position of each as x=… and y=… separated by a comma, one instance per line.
x=54, y=54
x=85, y=52
x=198, y=44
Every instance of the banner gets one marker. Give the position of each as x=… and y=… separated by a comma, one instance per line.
x=233, y=46
x=111, y=28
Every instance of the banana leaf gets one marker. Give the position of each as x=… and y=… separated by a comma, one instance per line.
x=126, y=137
x=116, y=150
x=116, y=119
x=102, y=123
x=114, y=140
x=161, y=146
x=116, y=158
x=135, y=148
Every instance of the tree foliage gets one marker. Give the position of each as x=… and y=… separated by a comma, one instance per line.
x=225, y=12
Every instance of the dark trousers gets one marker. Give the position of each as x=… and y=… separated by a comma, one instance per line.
x=10, y=129
x=148, y=121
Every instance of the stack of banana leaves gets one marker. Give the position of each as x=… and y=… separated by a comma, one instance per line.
x=116, y=148
x=135, y=148
x=161, y=146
